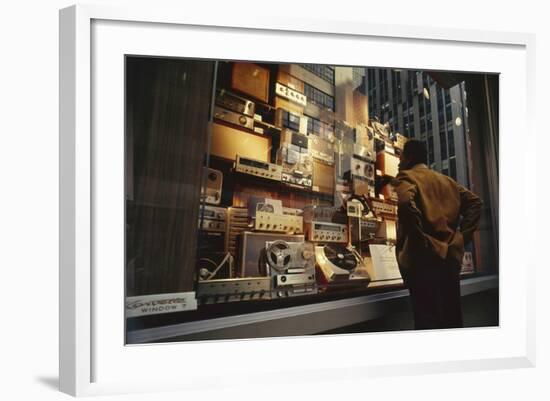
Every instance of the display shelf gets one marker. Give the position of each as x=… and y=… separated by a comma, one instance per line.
x=296, y=320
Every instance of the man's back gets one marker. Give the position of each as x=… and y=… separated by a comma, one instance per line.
x=430, y=209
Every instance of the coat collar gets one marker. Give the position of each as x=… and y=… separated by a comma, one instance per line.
x=418, y=166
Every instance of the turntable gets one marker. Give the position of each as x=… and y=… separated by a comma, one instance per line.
x=340, y=264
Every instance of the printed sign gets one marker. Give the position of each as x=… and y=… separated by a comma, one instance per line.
x=384, y=263
x=160, y=303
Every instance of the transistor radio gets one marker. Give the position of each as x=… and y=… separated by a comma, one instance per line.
x=213, y=191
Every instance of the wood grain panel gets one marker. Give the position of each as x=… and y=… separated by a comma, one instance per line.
x=168, y=107
x=252, y=80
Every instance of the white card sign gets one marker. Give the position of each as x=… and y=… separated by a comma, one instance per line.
x=384, y=262
x=160, y=303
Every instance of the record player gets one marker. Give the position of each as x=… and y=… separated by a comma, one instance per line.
x=339, y=264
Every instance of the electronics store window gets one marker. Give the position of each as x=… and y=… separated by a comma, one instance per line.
x=257, y=186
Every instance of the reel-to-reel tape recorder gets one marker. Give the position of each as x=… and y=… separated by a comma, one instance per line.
x=291, y=268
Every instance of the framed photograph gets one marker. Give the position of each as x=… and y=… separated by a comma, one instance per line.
x=237, y=191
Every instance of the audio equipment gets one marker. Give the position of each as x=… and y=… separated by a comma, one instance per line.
x=235, y=289
x=290, y=94
x=326, y=232
x=252, y=261
x=327, y=214
x=362, y=177
x=363, y=186
x=294, y=156
x=388, y=191
x=321, y=149
x=354, y=208
x=399, y=141
x=383, y=145
x=363, y=169
x=270, y=221
x=383, y=208
x=213, y=265
x=289, y=257
x=338, y=263
x=387, y=230
x=369, y=227
x=290, y=120
x=258, y=168
x=297, y=166
x=291, y=268
x=228, y=142
x=342, y=131
x=387, y=163
x=364, y=153
x=379, y=129
x=213, y=192
x=212, y=246
x=214, y=219
x=323, y=177
x=251, y=79
x=237, y=223
x=231, y=117
x=299, y=141
x=235, y=103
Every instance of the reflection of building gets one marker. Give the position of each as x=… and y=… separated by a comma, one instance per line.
x=415, y=106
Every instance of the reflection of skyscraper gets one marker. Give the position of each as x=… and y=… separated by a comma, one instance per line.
x=417, y=107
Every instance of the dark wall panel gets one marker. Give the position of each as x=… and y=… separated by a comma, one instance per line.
x=168, y=103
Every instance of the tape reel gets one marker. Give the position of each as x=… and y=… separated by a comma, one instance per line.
x=282, y=255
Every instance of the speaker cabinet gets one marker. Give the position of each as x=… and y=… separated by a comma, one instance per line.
x=252, y=80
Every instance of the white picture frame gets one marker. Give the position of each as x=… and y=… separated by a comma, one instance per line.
x=93, y=360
